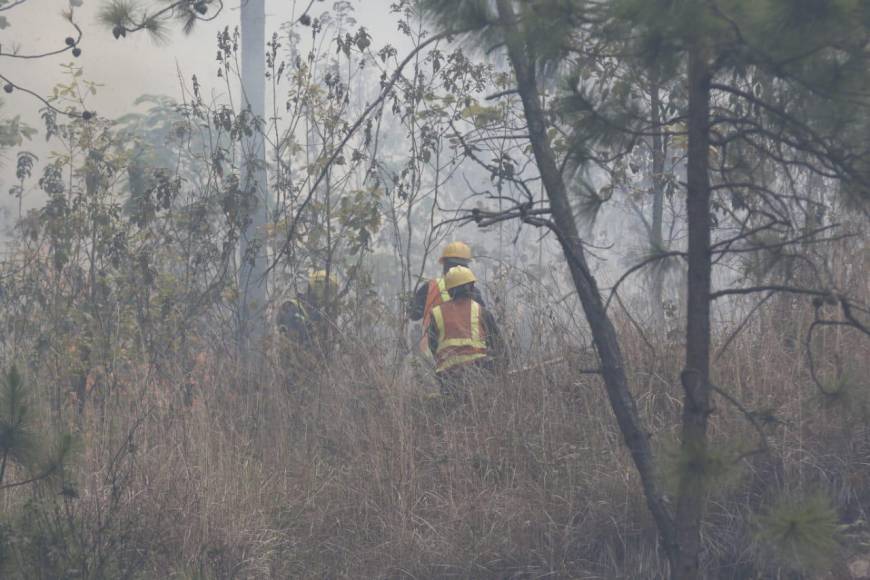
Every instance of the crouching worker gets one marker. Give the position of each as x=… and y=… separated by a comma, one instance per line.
x=463, y=336
x=304, y=326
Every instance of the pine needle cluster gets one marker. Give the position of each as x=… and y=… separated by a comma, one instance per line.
x=800, y=532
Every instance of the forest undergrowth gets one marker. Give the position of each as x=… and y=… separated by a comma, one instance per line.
x=203, y=467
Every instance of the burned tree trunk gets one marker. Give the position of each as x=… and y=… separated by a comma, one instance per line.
x=696, y=373
x=603, y=333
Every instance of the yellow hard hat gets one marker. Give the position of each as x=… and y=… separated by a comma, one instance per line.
x=458, y=276
x=318, y=277
x=456, y=251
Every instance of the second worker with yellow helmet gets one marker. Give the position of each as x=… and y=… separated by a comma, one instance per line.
x=304, y=320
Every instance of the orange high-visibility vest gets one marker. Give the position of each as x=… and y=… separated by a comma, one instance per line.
x=461, y=333
x=437, y=294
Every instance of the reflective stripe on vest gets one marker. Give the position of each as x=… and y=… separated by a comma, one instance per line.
x=442, y=289
x=437, y=294
x=461, y=334
x=298, y=303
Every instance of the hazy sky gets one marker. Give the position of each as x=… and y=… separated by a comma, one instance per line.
x=136, y=65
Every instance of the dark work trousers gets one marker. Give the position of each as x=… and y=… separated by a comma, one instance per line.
x=456, y=383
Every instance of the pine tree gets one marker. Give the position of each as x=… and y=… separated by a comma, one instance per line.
x=772, y=88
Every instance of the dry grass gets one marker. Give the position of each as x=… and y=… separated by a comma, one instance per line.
x=211, y=469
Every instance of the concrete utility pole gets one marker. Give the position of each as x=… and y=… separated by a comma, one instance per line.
x=252, y=281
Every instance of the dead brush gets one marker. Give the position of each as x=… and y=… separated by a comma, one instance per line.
x=353, y=470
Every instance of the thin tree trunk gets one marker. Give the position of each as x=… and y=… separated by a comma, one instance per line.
x=252, y=282
x=696, y=374
x=604, y=335
x=658, y=192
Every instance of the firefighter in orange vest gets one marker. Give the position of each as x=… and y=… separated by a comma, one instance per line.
x=434, y=292
x=463, y=336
